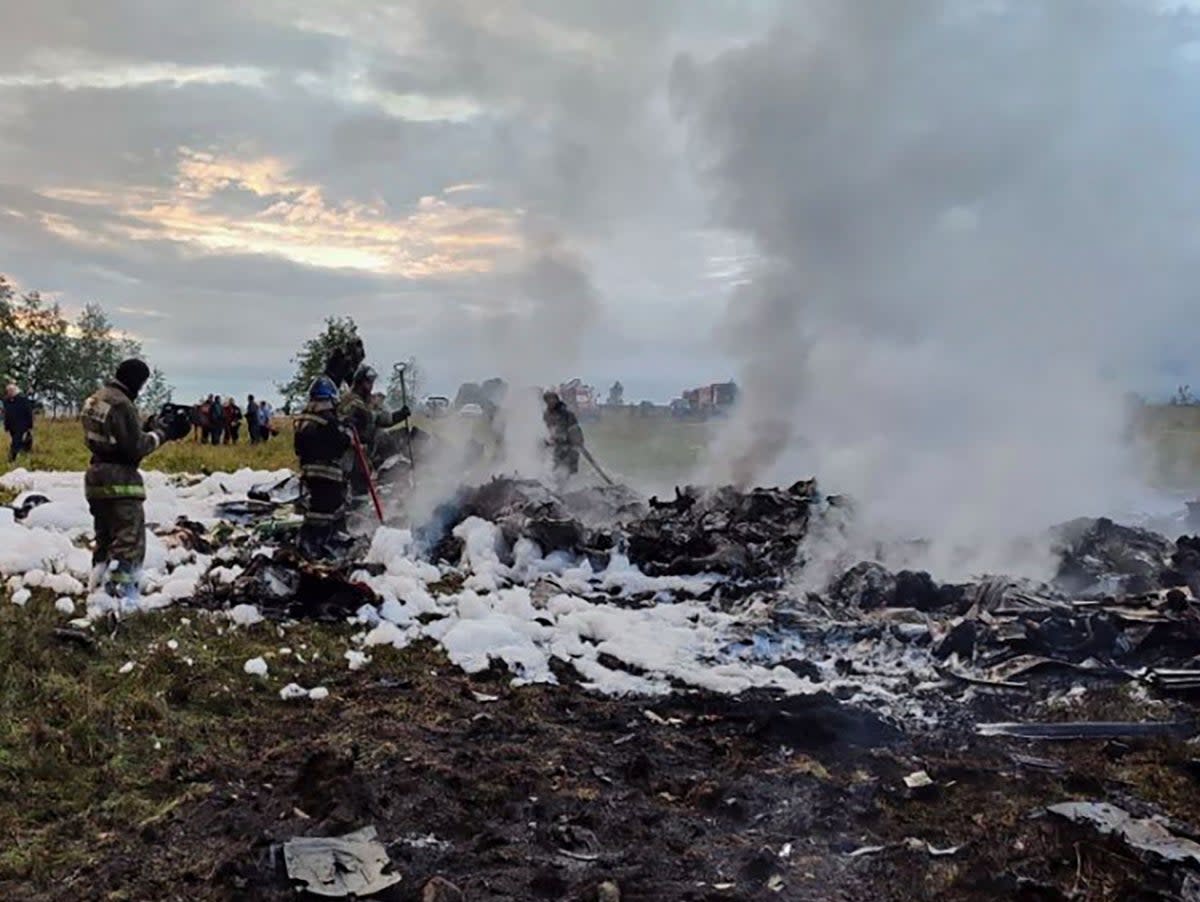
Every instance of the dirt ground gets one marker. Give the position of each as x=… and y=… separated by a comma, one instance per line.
x=547, y=792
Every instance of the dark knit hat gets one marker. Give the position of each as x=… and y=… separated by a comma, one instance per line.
x=133, y=374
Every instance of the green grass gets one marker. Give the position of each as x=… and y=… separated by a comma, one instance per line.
x=644, y=450
x=58, y=445
x=638, y=449
x=633, y=448
x=1172, y=436
x=89, y=755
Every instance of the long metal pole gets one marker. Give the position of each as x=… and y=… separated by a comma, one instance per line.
x=361, y=454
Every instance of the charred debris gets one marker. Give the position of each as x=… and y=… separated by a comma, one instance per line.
x=1122, y=605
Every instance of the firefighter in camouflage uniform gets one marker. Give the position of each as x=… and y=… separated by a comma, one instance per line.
x=114, y=488
x=322, y=441
x=565, y=438
x=367, y=421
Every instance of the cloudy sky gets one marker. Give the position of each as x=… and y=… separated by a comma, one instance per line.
x=606, y=188
x=489, y=185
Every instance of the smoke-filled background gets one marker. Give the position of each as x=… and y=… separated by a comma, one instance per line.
x=977, y=230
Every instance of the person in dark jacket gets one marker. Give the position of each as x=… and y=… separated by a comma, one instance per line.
x=233, y=421
x=216, y=420
x=252, y=430
x=199, y=422
x=18, y=422
x=113, y=486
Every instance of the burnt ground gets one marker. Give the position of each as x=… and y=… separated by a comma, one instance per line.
x=547, y=792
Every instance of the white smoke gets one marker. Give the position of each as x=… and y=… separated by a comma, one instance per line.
x=976, y=224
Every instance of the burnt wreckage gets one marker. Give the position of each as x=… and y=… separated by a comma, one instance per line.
x=1122, y=604
x=742, y=536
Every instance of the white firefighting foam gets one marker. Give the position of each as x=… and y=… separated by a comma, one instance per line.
x=527, y=615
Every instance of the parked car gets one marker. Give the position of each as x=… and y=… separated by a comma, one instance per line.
x=470, y=411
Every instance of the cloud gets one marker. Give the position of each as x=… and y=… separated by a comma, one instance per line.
x=71, y=77
x=139, y=311
x=223, y=203
x=248, y=169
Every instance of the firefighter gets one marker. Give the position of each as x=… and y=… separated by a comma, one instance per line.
x=565, y=437
x=113, y=485
x=322, y=440
x=367, y=420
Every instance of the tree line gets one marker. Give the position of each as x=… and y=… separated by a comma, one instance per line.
x=338, y=332
x=59, y=362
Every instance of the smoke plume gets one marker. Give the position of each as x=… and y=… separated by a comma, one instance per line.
x=976, y=229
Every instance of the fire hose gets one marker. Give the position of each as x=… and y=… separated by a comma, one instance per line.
x=361, y=456
x=595, y=466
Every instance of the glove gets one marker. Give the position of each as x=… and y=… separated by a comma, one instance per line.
x=402, y=414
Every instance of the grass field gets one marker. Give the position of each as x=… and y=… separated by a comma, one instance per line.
x=643, y=450
x=1172, y=437
x=58, y=445
x=630, y=447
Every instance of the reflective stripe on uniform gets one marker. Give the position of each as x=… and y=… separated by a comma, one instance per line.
x=93, y=436
x=114, y=491
x=319, y=471
x=322, y=517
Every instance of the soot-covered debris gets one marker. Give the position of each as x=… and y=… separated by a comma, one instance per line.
x=285, y=585
x=1103, y=556
x=737, y=534
x=578, y=523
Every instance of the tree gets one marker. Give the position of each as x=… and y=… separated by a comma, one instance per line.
x=414, y=383
x=157, y=391
x=7, y=327
x=616, y=395
x=310, y=359
x=60, y=364
x=95, y=356
x=41, y=351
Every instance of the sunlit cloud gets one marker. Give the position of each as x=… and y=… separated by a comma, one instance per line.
x=112, y=77
x=293, y=219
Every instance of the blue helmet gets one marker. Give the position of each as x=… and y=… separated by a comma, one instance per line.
x=323, y=390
